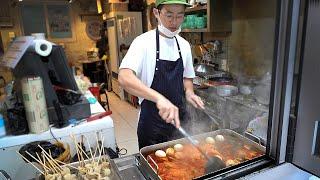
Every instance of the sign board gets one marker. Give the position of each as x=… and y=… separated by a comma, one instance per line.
x=15, y=51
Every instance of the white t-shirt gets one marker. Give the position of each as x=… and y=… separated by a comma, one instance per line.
x=141, y=56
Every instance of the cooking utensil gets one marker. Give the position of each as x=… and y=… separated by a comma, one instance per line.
x=228, y=134
x=227, y=90
x=220, y=76
x=213, y=163
x=193, y=142
x=204, y=69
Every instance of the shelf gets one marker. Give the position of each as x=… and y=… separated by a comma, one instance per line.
x=89, y=14
x=197, y=8
x=195, y=30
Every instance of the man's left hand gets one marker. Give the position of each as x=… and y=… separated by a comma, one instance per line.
x=195, y=100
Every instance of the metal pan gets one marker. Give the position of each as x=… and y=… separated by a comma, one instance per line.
x=225, y=132
x=113, y=176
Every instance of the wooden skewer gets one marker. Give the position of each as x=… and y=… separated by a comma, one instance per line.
x=31, y=163
x=103, y=152
x=51, y=164
x=89, y=147
x=50, y=167
x=81, y=154
x=37, y=160
x=85, y=153
x=43, y=164
x=76, y=145
x=96, y=149
x=67, y=165
x=95, y=153
x=100, y=150
x=54, y=161
x=49, y=157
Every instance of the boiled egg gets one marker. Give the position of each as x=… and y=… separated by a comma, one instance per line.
x=160, y=154
x=178, y=147
x=231, y=162
x=179, y=155
x=170, y=152
x=219, y=138
x=210, y=140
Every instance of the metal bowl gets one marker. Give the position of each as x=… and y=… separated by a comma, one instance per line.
x=227, y=90
x=204, y=69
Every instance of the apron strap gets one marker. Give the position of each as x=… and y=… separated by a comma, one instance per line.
x=178, y=47
x=158, y=46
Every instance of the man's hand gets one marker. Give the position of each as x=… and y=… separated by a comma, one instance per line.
x=194, y=100
x=168, y=111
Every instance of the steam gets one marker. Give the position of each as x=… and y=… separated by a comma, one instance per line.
x=196, y=121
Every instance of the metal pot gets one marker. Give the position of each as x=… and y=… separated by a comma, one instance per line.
x=204, y=69
x=245, y=89
x=227, y=90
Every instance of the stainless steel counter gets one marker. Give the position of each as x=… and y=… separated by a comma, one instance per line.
x=128, y=167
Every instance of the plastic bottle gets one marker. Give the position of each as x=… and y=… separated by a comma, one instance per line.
x=2, y=127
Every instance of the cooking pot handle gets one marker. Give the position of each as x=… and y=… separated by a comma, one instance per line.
x=155, y=164
x=253, y=137
x=5, y=174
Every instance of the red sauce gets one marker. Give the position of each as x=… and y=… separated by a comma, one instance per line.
x=190, y=163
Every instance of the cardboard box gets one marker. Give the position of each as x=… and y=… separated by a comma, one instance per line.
x=119, y=7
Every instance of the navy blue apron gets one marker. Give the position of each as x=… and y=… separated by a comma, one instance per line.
x=168, y=81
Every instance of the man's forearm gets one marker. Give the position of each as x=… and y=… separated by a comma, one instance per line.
x=134, y=86
x=188, y=85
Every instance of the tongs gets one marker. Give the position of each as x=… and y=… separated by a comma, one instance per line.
x=214, y=163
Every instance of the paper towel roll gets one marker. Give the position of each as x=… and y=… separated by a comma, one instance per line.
x=41, y=47
x=35, y=104
x=38, y=35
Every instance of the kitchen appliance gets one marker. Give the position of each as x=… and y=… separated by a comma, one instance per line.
x=122, y=28
x=54, y=71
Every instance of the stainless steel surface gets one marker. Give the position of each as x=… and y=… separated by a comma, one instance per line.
x=226, y=132
x=5, y=174
x=113, y=176
x=128, y=168
x=227, y=90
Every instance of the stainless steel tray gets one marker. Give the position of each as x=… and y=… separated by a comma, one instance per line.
x=200, y=137
x=114, y=175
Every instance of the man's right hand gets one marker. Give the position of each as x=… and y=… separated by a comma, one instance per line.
x=168, y=111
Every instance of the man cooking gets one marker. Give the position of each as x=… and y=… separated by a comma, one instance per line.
x=158, y=69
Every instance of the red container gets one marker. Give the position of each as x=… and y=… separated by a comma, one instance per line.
x=96, y=92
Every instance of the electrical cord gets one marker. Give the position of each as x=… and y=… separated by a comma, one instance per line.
x=119, y=150
x=50, y=128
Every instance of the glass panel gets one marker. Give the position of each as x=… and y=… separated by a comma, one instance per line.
x=233, y=63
